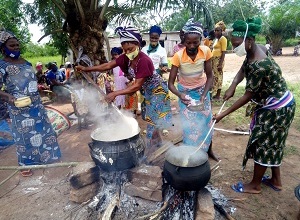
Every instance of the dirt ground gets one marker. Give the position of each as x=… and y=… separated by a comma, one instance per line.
x=45, y=195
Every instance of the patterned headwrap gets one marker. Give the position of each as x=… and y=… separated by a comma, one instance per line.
x=129, y=34
x=5, y=35
x=192, y=27
x=116, y=50
x=221, y=25
x=239, y=27
x=155, y=29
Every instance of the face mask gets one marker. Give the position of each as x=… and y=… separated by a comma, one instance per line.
x=12, y=54
x=240, y=50
x=133, y=54
x=192, y=51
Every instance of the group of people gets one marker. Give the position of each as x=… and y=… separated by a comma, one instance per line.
x=55, y=79
x=194, y=66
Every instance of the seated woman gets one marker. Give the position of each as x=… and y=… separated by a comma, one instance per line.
x=57, y=81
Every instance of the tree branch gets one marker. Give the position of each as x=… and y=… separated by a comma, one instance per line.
x=101, y=16
x=60, y=8
x=52, y=32
x=93, y=5
x=107, y=45
x=80, y=10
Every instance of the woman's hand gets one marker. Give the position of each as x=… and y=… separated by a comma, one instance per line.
x=217, y=117
x=229, y=93
x=110, y=97
x=80, y=68
x=184, y=99
x=11, y=99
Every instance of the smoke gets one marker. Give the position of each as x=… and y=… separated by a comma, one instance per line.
x=112, y=124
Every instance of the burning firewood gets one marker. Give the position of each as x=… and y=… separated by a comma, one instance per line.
x=155, y=214
x=111, y=207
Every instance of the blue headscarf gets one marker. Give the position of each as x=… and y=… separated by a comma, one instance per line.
x=116, y=50
x=155, y=29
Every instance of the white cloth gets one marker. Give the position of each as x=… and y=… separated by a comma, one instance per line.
x=158, y=57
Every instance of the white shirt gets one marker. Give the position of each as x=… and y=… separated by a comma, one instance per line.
x=158, y=57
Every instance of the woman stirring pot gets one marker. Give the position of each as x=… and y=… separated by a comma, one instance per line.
x=136, y=64
x=272, y=113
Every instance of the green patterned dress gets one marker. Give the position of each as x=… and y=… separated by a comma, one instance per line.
x=270, y=127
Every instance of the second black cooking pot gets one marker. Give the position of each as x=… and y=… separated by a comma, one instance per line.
x=186, y=168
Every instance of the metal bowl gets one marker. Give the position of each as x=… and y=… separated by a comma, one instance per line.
x=197, y=107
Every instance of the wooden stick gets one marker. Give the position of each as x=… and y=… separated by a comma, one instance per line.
x=110, y=208
x=222, y=211
x=163, y=149
x=90, y=80
x=10, y=176
x=236, y=199
x=215, y=165
x=155, y=213
x=33, y=167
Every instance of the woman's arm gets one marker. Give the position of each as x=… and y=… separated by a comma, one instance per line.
x=239, y=103
x=209, y=75
x=137, y=85
x=7, y=97
x=237, y=79
x=172, y=77
x=98, y=68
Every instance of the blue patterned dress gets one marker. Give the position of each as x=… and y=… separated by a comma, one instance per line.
x=34, y=136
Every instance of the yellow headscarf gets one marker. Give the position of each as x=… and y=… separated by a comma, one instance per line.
x=221, y=24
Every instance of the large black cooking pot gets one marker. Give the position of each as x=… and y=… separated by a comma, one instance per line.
x=186, y=169
x=117, y=155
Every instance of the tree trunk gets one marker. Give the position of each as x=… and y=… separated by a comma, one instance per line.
x=276, y=41
x=87, y=31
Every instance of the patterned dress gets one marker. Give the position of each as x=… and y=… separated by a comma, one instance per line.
x=34, y=136
x=157, y=99
x=270, y=125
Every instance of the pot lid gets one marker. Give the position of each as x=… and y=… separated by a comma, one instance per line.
x=186, y=156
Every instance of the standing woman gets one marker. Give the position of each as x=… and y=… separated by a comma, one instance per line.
x=274, y=107
x=156, y=52
x=34, y=136
x=136, y=64
x=195, y=79
x=219, y=50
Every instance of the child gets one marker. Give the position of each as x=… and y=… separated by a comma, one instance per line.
x=119, y=78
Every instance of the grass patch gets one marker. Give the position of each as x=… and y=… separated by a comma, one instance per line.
x=295, y=89
x=291, y=150
x=45, y=60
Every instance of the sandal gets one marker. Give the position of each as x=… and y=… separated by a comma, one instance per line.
x=26, y=173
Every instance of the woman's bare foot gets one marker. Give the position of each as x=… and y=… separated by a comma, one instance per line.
x=272, y=183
